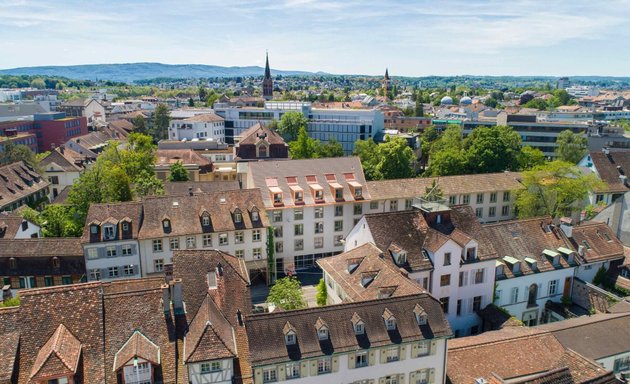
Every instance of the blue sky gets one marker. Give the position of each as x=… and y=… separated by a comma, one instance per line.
x=414, y=38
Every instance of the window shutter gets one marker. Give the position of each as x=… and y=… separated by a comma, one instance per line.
x=351, y=360
x=104, y=273
x=381, y=380
x=414, y=350
x=335, y=363
x=383, y=356
x=433, y=349
x=402, y=352
x=119, y=250
x=281, y=373
x=303, y=369
x=258, y=379
x=134, y=250
x=539, y=292
x=313, y=367
x=412, y=377
x=372, y=357
x=432, y=375
x=136, y=269
x=101, y=252
x=401, y=378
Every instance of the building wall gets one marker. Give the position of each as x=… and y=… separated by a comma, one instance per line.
x=182, y=129
x=609, y=362
x=376, y=369
x=586, y=272
x=64, y=179
x=58, y=132
x=224, y=376
x=102, y=262
x=31, y=231
x=506, y=288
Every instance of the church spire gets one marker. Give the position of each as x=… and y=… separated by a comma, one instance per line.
x=267, y=70
x=267, y=82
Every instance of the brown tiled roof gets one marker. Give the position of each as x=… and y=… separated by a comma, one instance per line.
x=515, y=353
x=527, y=238
x=198, y=187
x=140, y=346
x=267, y=343
x=101, y=212
x=599, y=241
x=205, y=118
x=410, y=231
x=388, y=277
x=607, y=168
x=251, y=135
x=184, y=213
x=65, y=161
x=261, y=174
x=59, y=356
x=62, y=197
x=184, y=156
x=18, y=181
x=10, y=224
x=210, y=336
x=8, y=353
x=41, y=247
x=121, y=125
x=450, y=185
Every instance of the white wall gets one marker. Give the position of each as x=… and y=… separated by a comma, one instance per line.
x=586, y=272
x=178, y=130
x=609, y=362
x=31, y=231
x=224, y=376
x=103, y=262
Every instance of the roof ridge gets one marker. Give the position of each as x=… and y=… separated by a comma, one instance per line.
x=60, y=288
x=506, y=338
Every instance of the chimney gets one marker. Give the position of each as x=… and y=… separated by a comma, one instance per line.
x=190, y=191
x=62, y=149
x=178, y=301
x=166, y=298
x=581, y=250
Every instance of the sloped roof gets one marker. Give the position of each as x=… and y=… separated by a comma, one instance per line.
x=606, y=166
x=8, y=354
x=118, y=211
x=41, y=247
x=17, y=181
x=63, y=161
x=198, y=187
x=210, y=336
x=10, y=225
x=140, y=346
x=184, y=156
x=58, y=356
x=599, y=241
x=205, y=118
x=251, y=135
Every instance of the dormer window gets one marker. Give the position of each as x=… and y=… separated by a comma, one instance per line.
x=94, y=229
x=238, y=217
x=390, y=320
x=358, y=193
x=290, y=336
x=13, y=263
x=471, y=253
x=125, y=226
x=166, y=225
x=277, y=198
x=367, y=278
x=421, y=315
x=299, y=197
x=500, y=271
x=357, y=324
x=338, y=194
x=56, y=263
x=205, y=220
x=391, y=324
x=319, y=195
x=109, y=232
x=322, y=329
x=401, y=257
x=255, y=214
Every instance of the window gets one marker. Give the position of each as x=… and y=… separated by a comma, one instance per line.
x=338, y=240
x=108, y=232
x=322, y=333
x=452, y=200
x=424, y=348
x=358, y=209
x=319, y=227
x=276, y=216
x=361, y=359
x=493, y=197
x=238, y=237
x=238, y=217
x=393, y=205
x=338, y=193
x=166, y=225
x=373, y=205
x=126, y=250
x=458, y=310
x=480, y=198
x=110, y=251
x=174, y=243
x=422, y=377
x=269, y=375
x=298, y=245
x=279, y=246
x=359, y=328
x=125, y=227
x=318, y=242
x=240, y=253
x=277, y=231
x=324, y=365
x=205, y=220
x=479, y=276
x=298, y=229
x=408, y=204
x=255, y=215
x=338, y=225
x=257, y=253
x=492, y=211
x=158, y=265
x=298, y=214
x=223, y=239
x=293, y=370
x=445, y=280
x=95, y=274
x=319, y=195
x=476, y=303
x=506, y=196
x=92, y=253
x=444, y=301
x=497, y=297
x=505, y=210
x=290, y=338
x=622, y=364
x=447, y=258
x=191, y=242
x=207, y=240
x=514, y=295
x=391, y=354
x=390, y=380
x=277, y=198
x=465, y=199
x=299, y=196
x=338, y=210
x=65, y=280
x=390, y=324
x=128, y=270
x=112, y=272
x=213, y=366
x=157, y=245
x=358, y=193
x=48, y=281
x=479, y=212
x=553, y=287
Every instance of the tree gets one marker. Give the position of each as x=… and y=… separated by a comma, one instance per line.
x=191, y=102
x=286, y=293
x=419, y=109
x=38, y=83
x=433, y=192
x=139, y=124
x=492, y=149
x=146, y=184
x=203, y=94
x=530, y=157
x=57, y=221
x=161, y=121
x=556, y=189
x=332, y=148
x=396, y=159
x=304, y=147
x=491, y=102
x=211, y=98
x=19, y=152
x=571, y=146
x=367, y=150
x=177, y=172
x=322, y=293
x=290, y=125
x=447, y=162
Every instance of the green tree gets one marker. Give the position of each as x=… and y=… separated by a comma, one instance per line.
x=57, y=221
x=530, y=157
x=191, y=102
x=396, y=159
x=211, y=98
x=139, y=124
x=203, y=94
x=290, y=125
x=368, y=153
x=177, y=172
x=492, y=149
x=161, y=121
x=571, y=146
x=38, y=83
x=19, y=152
x=556, y=189
x=322, y=293
x=304, y=147
x=332, y=148
x=433, y=192
x=418, y=109
x=447, y=162
x=491, y=102
x=146, y=184
x=286, y=293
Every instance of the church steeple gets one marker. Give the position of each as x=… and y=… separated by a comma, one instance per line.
x=267, y=81
x=386, y=82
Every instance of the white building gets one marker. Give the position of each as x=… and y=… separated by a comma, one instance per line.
x=443, y=249
x=13, y=226
x=61, y=168
x=312, y=204
x=206, y=126
x=394, y=341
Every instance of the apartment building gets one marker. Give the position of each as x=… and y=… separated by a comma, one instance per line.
x=610, y=167
x=312, y=204
x=61, y=168
x=205, y=126
x=13, y=226
x=394, y=341
x=491, y=195
x=260, y=143
x=88, y=108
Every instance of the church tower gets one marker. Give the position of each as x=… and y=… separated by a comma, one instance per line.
x=386, y=82
x=267, y=82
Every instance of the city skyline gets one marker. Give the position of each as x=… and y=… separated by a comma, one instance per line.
x=350, y=37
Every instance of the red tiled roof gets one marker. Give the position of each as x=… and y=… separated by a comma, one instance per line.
x=59, y=356
x=140, y=346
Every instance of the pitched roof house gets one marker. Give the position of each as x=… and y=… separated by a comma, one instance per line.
x=259, y=142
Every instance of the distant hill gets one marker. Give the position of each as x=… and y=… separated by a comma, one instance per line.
x=130, y=72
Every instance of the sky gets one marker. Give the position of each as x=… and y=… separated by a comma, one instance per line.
x=410, y=37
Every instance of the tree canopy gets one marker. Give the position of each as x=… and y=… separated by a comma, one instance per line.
x=290, y=125
x=161, y=121
x=177, y=172
x=286, y=293
x=392, y=159
x=571, y=146
x=139, y=124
